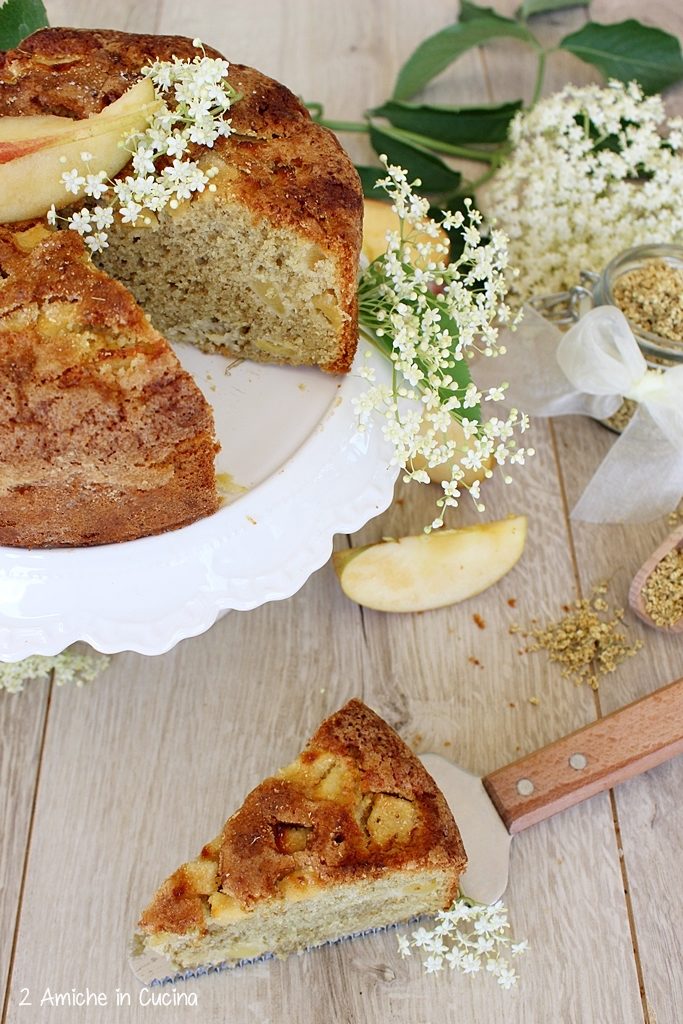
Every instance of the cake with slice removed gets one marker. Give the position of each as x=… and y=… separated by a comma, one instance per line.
x=352, y=835
x=261, y=264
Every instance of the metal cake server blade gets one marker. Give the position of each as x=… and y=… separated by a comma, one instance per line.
x=484, y=836
x=491, y=810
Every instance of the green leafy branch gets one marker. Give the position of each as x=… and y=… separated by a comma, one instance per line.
x=417, y=135
x=18, y=19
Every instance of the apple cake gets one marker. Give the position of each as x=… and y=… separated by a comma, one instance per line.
x=353, y=835
x=262, y=267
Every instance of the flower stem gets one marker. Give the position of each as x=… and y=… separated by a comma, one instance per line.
x=501, y=154
x=343, y=126
x=540, y=76
x=465, y=152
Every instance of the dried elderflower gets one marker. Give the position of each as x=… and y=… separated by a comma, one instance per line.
x=651, y=297
x=663, y=590
x=588, y=642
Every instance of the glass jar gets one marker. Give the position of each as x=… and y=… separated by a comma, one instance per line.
x=657, y=350
x=565, y=308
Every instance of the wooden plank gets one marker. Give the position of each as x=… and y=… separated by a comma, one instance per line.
x=652, y=859
x=652, y=856
x=22, y=722
x=123, y=15
x=144, y=766
x=442, y=676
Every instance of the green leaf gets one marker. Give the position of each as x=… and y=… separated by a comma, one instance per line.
x=368, y=177
x=627, y=51
x=470, y=12
x=18, y=19
x=435, y=175
x=437, y=52
x=455, y=125
x=531, y=7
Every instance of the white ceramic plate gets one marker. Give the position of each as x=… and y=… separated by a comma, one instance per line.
x=289, y=436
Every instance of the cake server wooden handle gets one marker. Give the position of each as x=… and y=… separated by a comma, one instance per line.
x=590, y=760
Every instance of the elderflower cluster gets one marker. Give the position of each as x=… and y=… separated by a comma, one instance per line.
x=593, y=171
x=470, y=937
x=428, y=317
x=71, y=666
x=199, y=97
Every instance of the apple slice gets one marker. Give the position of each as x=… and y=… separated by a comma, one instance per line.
x=415, y=574
x=438, y=474
x=378, y=218
x=22, y=135
x=31, y=165
x=32, y=126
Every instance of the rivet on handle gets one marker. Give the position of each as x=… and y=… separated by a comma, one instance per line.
x=578, y=761
x=525, y=787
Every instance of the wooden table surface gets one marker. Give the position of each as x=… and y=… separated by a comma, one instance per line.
x=106, y=789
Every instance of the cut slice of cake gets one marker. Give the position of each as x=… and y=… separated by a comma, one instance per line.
x=103, y=436
x=353, y=835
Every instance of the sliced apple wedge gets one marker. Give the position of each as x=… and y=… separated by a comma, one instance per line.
x=22, y=135
x=415, y=574
x=378, y=219
x=32, y=163
x=438, y=474
x=32, y=126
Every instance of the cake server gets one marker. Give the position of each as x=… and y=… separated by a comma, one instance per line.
x=490, y=811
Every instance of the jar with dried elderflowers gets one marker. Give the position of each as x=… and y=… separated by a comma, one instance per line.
x=646, y=284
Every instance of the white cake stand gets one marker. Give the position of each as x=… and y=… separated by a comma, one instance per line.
x=299, y=470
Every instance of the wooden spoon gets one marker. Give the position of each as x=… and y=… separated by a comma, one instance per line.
x=635, y=594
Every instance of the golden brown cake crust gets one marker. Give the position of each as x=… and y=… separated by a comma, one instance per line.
x=103, y=436
x=291, y=826
x=291, y=170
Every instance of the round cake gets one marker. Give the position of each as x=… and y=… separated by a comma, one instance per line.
x=103, y=436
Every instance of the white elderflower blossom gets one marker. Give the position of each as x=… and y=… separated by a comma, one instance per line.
x=427, y=319
x=75, y=665
x=80, y=222
x=194, y=98
x=73, y=181
x=468, y=937
x=95, y=185
x=594, y=170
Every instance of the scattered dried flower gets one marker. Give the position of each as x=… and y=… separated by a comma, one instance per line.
x=588, y=641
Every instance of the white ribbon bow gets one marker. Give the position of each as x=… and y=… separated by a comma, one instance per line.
x=589, y=370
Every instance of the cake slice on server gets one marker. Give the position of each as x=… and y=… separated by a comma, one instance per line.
x=352, y=835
